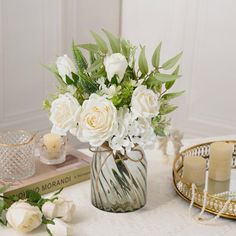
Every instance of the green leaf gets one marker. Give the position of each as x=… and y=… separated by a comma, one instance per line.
x=171, y=62
x=156, y=56
x=142, y=62
x=48, y=231
x=46, y=105
x=96, y=65
x=58, y=192
x=154, y=84
x=4, y=188
x=169, y=96
x=92, y=57
x=89, y=47
x=87, y=84
x=68, y=80
x=33, y=195
x=114, y=41
x=75, y=77
x=125, y=48
x=79, y=58
x=168, y=85
x=166, y=109
x=166, y=77
x=100, y=42
x=53, y=69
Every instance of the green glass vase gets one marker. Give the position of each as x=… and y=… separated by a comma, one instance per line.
x=118, y=182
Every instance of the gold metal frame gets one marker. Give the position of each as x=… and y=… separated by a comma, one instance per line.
x=185, y=192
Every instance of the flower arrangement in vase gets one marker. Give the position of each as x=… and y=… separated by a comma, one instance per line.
x=119, y=107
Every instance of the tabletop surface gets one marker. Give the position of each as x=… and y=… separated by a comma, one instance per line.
x=165, y=214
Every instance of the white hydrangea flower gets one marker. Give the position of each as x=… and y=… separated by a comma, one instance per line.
x=142, y=133
x=108, y=92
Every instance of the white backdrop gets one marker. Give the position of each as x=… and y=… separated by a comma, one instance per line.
x=34, y=32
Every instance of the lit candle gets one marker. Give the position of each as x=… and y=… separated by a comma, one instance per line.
x=53, y=143
x=194, y=170
x=220, y=161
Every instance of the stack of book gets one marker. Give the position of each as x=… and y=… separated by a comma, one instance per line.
x=49, y=178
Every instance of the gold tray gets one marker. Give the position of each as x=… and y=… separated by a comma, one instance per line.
x=214, y=203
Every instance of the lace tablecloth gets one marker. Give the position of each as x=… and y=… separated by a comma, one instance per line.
x=165, y=213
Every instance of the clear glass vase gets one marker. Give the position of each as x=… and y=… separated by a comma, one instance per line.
x=118, y=182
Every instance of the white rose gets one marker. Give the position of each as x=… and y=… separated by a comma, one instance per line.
x=64, y=113
x=59, y=208
x=115, y=64
x=23, y=217
x=60, y=228
x=98, y=120
x=65, y=66
x=144, y=102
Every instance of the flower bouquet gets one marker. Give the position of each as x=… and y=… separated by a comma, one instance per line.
x=119, y=107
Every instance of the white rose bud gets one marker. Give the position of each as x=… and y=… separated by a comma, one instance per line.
x=62, y=208
x=60, y=228
x=23, y=217
x=64, y=113
x=144, y=102
x=65, y=66
x=98, y=120
x=115, y=64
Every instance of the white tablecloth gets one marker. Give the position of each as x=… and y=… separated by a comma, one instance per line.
x=164, y=215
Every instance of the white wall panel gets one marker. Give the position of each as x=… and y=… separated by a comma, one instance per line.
x=206, y=32
x=32, y=34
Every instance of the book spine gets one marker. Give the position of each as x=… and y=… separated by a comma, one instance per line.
x=54, y=183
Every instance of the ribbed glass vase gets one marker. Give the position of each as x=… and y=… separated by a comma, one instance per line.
x=118, y=182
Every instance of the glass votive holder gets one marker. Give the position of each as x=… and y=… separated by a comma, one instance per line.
x=17, y=161
x=52, y=149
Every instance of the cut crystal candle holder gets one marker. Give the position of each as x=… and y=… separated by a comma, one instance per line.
x=52, y=158
x=17, y=160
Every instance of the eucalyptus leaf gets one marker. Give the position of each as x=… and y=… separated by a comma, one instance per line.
x=89, y=47
x=100, y=42
x=166, y=77
x=171, y=62
x=169, y=96
x=166, y=109
x=114, y=41
x=125, y=48
x=156, y=56
x=168, y=85
x=79, y=58
x=142, y=62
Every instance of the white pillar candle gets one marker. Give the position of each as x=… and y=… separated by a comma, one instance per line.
x=220, y=161
x=53, y=143
x=194, y=170
x=215, y=187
